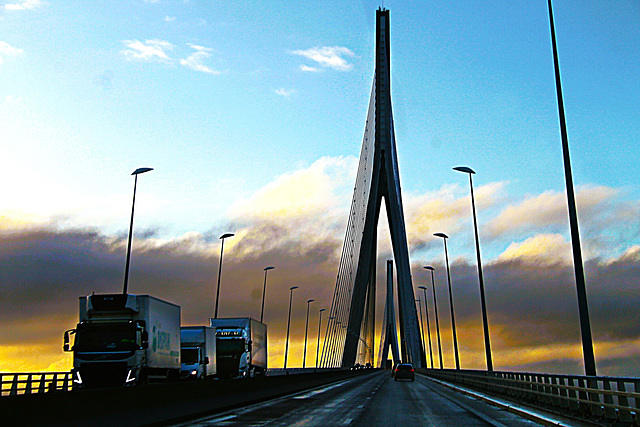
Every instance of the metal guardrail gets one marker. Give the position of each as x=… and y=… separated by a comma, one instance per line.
x=13, y=384
x=607, y=399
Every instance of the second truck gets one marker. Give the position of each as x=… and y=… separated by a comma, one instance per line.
x=197, y=352
x=241, y=347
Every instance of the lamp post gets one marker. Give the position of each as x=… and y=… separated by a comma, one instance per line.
x=453, y=317
x=126, y=265
x=306, y=330
x=264, y=291
x=435, y=305
x=224, y=236
x=424, y=348
x=286, y=349
x=319, y=326
x=583, y=306
x=424, y=291
x=485, y=322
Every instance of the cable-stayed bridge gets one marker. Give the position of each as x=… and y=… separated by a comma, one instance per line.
x=350, y=331
x=334, y=393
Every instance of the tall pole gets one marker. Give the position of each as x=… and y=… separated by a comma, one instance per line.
x=133, y=205
x=435, y=306
x=583, y=306
x=264, y=291
x=224, y=236
x=485, y=322
x=421, y=324
x=286, y=348
x=306, y=330
x=453, y=317
x=319, y=326
x=426, y=311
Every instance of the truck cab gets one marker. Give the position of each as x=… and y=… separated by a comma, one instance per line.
x=107, y=354
x=197, y=352
x=111, y=341
x=193, y=363
x=233, y=352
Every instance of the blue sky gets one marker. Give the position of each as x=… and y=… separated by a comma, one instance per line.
x=471, y=85
x=254, y=110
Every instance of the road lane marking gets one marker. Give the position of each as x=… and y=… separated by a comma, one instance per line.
x=314, y=392
x=220, y=419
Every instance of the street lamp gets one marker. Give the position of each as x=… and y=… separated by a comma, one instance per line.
x=424, y=349
x=485, y=322
x=286, y=349
x=224, y=236
x=424, y=291
x=264, y=290
x=319, y=326
x=126, y=265
x=583, y=306
x=306, y=330
x=435, y=305
x=453, y=317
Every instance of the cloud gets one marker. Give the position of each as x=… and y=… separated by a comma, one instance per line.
x=169, y=18
x=305, y=192
x=195, y=61
x=309, y=69
x=532, y=309
x=550, y=209
x=285, y=92
x=7, y=50
x=150, y=50
x=327, y=56
x=24, y=5
x=12, y=101
x=445, y=210
x=542, y=250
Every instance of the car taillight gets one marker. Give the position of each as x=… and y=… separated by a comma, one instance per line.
x=412, y=370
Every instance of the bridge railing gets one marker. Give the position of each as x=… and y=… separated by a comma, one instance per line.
x=13, y=384
x=615, y=399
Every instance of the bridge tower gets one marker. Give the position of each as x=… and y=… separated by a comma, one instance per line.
x=351, y=321
x=389, y=333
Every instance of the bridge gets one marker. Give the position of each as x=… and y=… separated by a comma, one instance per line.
x=335, y=393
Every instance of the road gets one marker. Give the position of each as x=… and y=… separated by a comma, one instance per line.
x=372, y=400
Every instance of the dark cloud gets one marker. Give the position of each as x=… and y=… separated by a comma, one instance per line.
x=43, y=272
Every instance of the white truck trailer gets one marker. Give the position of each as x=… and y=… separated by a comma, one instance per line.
x=197, y=352
x=241, y=347
x=124, y=339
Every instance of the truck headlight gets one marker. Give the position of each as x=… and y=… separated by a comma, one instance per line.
x=194, y=372
x=131, y=376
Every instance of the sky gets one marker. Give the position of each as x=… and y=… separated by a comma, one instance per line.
x=252, y=115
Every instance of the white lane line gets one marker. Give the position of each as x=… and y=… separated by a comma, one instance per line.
x=314, y=392
x=220, y=419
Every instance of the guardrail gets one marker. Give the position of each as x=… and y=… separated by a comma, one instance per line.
x=13, y=384
x=610, y=399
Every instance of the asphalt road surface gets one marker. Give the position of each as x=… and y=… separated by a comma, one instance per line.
x=371, y=400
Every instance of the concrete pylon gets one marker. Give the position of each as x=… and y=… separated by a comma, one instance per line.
x=382, y=181
x=389, y=336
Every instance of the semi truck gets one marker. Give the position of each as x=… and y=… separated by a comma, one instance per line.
x=241, y=347
x=197, y=352
x=124, y=339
